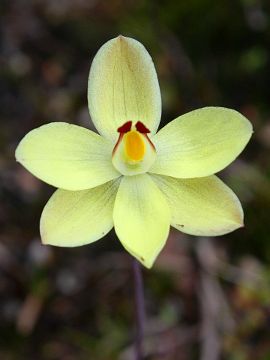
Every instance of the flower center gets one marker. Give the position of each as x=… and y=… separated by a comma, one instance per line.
x=134, y=146
x=134, y=153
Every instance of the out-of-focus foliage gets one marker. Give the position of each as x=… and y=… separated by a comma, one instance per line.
x=77, y=303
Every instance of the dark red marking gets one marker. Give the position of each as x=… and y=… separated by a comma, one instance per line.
x=150, y=142
x=141, y=128
x=122, y=130
x=125, y=128
x=118, y=142
x=144, y=130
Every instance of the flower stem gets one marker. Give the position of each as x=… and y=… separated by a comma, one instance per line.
x=139, y=308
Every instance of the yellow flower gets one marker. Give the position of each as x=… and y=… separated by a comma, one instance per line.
x=129, y=176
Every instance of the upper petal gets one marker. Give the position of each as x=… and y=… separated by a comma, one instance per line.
x=201, y=142
x=141, y=218
x=75, y=218
x=123, y=86
x=67, y=156
x=202, y=206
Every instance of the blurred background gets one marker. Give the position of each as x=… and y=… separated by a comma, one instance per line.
x=206, y=299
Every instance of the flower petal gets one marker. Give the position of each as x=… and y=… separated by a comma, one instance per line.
x=75, y=218
x=123, y=86
x=202, y=206
x=67, y=156
x=141, y=218
x=201, y=142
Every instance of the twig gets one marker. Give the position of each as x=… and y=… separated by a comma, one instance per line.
x=139, y=308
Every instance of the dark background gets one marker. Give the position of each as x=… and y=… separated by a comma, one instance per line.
x=206, y=299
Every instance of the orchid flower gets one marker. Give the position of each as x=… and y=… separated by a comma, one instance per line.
x=129, y=175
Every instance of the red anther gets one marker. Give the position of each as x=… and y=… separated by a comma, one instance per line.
x=141, y=128
x=125, y=128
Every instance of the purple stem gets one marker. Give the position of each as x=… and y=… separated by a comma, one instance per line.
x=139, y=308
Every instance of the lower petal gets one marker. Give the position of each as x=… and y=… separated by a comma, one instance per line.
x=75, y=218
x=201, y=206
x=141, y=218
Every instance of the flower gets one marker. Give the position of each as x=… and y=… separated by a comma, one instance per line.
x=129, y=176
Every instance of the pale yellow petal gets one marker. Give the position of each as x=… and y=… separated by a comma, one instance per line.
x=67, y=156
x=123, y=86
x=75, y=218
x=201, y=142
x=141, y=218
x=202, y=206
